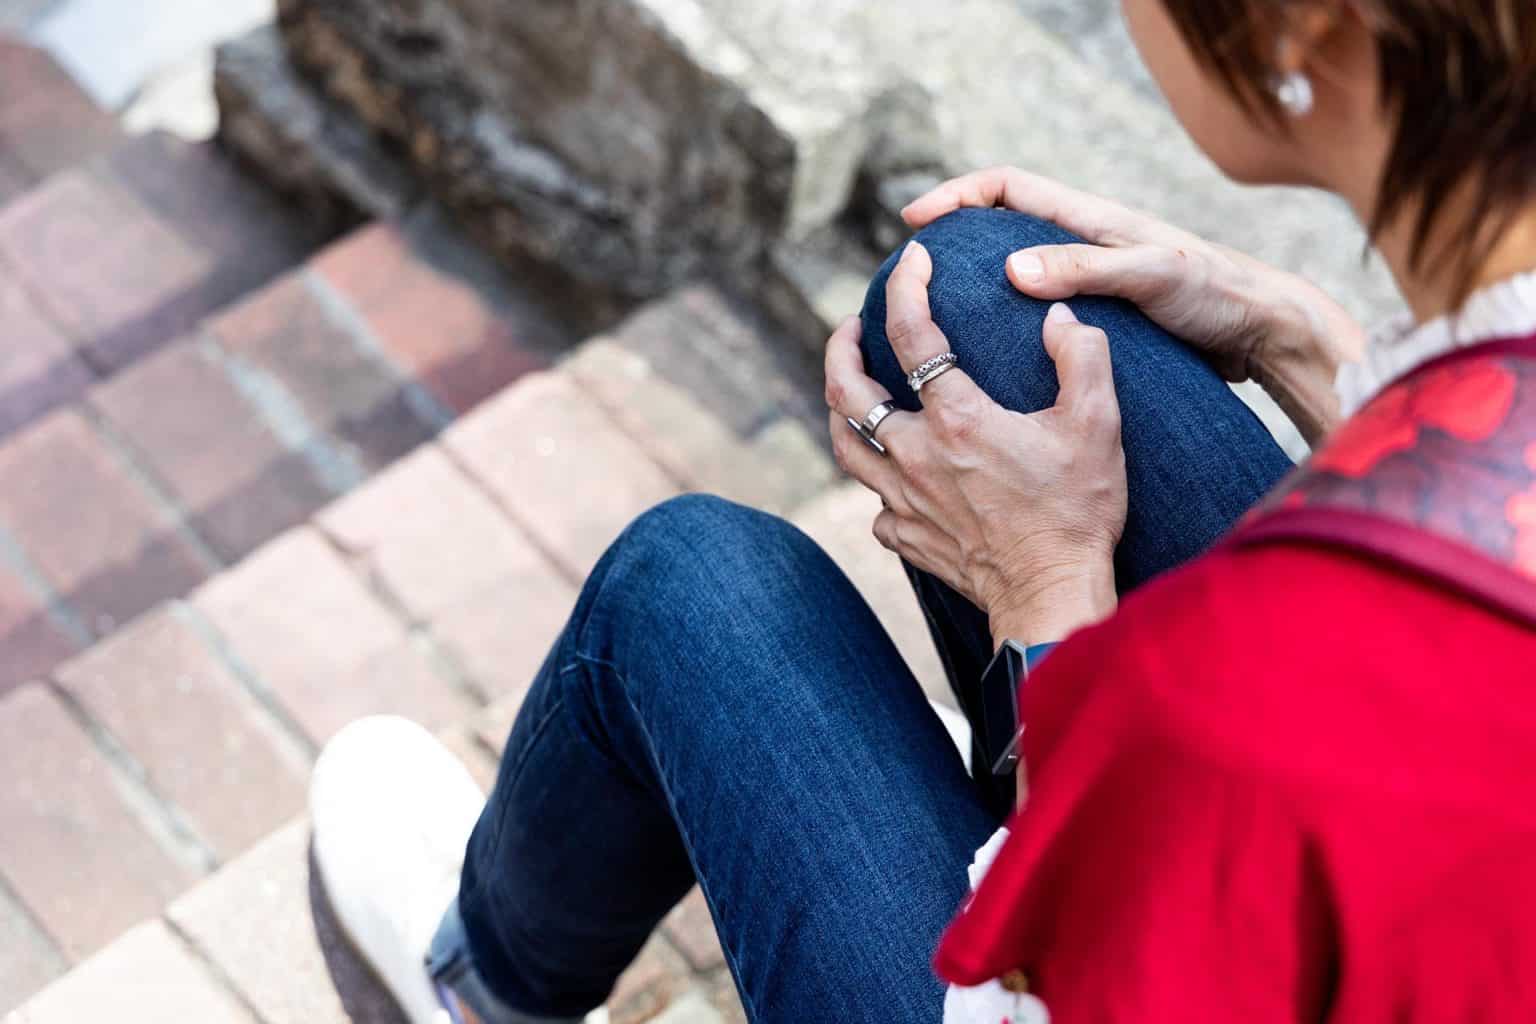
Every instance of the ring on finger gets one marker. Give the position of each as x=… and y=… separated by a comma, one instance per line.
x=870, y=425
x=931, y=370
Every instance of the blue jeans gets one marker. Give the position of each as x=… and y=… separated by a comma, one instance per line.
x=723, y=707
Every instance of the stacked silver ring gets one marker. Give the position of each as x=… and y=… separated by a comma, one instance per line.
x=931, y=370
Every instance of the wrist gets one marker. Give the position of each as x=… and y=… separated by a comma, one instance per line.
x=1056, y=606
x=1299, y=363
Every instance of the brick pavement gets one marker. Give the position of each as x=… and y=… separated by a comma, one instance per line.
x=214, y=441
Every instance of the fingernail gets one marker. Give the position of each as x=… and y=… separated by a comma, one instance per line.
x=1061, y=313
x=1027, y=267
x=912, y=246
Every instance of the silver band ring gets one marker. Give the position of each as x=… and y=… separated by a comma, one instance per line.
x=871, y=423
x=931, y=370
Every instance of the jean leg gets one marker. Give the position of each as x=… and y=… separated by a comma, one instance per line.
x=723, y=706
x=1197, y=458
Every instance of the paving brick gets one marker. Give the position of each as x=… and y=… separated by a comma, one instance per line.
x=692, y=931
x=705, y=345
x=327, y=648
x=146, y=977
x=725, y=998
x=286, y=955
x=840, y=522
x=81, y=860
x=117, y=278
x=15, y=181
x=502, y=637
x=46, y=122
x=656, y=978
x=30, y=960
x=452, y=558
x=248, y=232
x=39, y=368
x=288, y=334
x=95, y=534
x=560, y=466
x=204, y=742
x=445, y=333
x=482, y=766
x=32, y=641
x=494, y=724
x=692, y=1007
x=239, y=483
x=696, y=446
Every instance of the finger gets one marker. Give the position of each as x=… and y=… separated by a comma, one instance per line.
x=1138, y=273
x=918, y=542
x=851, y=393
x=850, y=390
x=1083, y=367
x=913, y=335
x=857, y=459
x=909, y=325
x=1094, y=218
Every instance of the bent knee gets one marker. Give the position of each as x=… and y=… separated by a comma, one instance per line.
x=990, y=325
x=970, y=248
x=695, y=540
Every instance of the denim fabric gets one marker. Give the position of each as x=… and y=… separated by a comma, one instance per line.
x=1197, y=458
x=724, y=707
x=450, y=965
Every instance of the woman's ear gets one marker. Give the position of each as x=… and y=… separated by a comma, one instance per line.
x=1307, y=33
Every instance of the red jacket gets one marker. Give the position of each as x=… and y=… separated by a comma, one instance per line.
x=1288, y=782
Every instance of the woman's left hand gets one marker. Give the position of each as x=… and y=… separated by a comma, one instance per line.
x=1019, y=513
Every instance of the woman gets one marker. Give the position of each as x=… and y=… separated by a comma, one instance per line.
x=1287, y=780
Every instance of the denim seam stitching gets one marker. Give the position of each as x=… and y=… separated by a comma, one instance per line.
x=650, y=744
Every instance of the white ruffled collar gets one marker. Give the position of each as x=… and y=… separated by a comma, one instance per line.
x=1503, y=310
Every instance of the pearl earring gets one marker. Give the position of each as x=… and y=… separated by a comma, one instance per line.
x=1294, y=91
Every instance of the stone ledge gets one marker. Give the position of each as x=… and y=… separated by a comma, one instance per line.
x=319, y=153
x=641, y=142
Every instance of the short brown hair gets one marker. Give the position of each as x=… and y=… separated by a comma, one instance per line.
x=1460, y=79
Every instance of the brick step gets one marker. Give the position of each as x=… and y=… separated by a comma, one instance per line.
x=154, y=479
x=258, y=942
x=109, y=260
x=47, y=122
x=173, y=743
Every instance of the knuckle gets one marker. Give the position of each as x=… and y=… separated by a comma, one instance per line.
x=1100, y=415
x=1092, y=339
x=904, y=327
x=1089, y=334
x=836, y=394
x=882, y=531
x=954, y=419
x=1075, y=262
x=911, y=462
x=1167, y=263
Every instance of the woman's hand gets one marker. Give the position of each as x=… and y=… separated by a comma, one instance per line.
x=1021, y=514
x=1249, y=319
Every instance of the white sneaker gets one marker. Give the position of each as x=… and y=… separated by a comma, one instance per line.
x=392, y=811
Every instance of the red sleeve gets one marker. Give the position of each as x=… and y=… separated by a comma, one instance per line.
x=1147, y=879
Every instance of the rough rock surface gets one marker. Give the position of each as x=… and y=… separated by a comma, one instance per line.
x=319, y=153
x=647, y=140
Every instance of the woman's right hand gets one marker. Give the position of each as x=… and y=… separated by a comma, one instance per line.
x=1249, y=319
